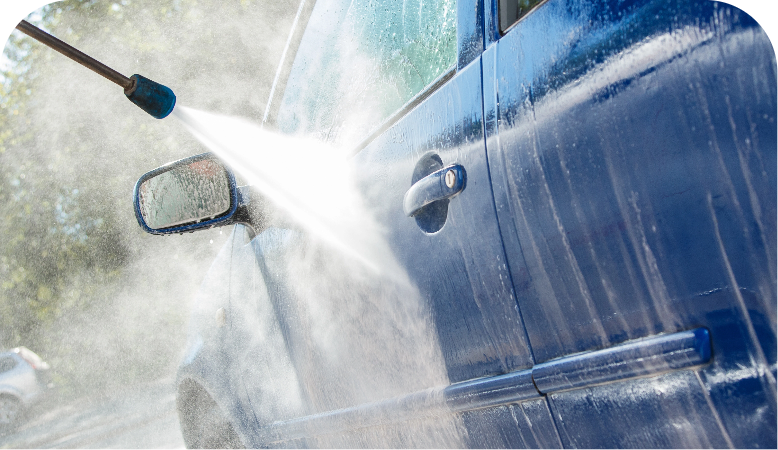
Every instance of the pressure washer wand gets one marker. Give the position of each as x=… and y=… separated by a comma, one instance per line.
x=152, y=97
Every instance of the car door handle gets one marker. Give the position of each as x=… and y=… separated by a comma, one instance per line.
x=439, y=185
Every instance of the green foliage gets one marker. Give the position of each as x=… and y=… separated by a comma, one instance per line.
x=71, y=149
x=50, y=231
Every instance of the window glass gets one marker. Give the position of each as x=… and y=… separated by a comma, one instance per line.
x=513, y=10
x=361, y=60
x=186, y=193
x=7, y=363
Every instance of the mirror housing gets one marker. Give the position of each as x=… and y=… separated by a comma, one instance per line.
x=193, y=193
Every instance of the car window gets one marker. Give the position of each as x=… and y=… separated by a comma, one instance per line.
x=513, y=10
x=361, y=60
x=7, y=363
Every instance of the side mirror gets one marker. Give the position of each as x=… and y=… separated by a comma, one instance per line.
x=191, y=194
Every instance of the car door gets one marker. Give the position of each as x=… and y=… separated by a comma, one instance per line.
x=632, y=152
x=416, y=352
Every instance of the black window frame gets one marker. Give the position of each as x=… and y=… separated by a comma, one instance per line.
x=518, y=19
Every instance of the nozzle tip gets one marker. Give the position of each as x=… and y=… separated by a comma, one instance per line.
x=150, y=96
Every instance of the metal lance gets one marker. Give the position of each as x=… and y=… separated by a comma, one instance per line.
x=152, y=97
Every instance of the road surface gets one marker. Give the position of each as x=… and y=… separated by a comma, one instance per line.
x=139, y=417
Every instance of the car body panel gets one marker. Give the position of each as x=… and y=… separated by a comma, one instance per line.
x=470, y=31
x=460, y=269
x=629, y=148
x=469, y=300
x=620, y=191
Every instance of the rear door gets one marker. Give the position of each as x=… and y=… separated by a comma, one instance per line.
x=632, y=150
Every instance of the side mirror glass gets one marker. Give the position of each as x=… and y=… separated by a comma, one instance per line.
x=185, y=195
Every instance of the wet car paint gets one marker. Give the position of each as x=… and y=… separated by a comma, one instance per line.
x=465, y=279
x=620, y=162
x=632, y=154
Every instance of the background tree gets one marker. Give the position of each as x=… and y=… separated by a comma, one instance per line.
x=80, y=283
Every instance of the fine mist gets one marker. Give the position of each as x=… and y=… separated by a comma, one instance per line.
x=108, y=306
x=324, y=315
x=104, y=303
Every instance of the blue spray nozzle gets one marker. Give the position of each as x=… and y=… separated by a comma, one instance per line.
x=150, y=96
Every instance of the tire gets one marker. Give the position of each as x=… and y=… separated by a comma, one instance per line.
x=203, y=424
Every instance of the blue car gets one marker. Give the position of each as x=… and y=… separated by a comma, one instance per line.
x=564, y=236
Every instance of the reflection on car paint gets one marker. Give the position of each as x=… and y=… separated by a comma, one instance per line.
x=606, y=279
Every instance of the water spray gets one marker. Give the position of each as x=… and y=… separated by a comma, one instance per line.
x=152, y=97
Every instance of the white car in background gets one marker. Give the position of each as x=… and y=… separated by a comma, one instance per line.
x=23, y=380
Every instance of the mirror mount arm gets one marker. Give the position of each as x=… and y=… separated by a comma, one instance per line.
x=251, y=211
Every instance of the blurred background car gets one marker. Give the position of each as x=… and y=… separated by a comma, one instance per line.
x=24, y=379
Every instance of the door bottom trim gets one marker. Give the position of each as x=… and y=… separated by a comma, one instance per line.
x=638, y=358
x=644, y=357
